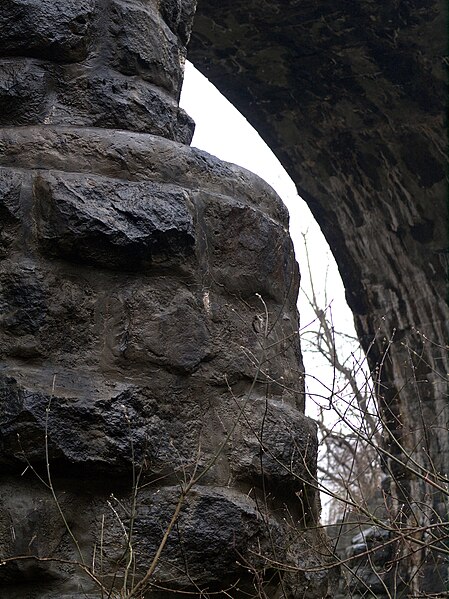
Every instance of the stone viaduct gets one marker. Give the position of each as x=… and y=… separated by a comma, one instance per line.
x=153, y=438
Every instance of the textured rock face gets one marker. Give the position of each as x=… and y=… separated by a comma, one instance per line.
x=351, y=97
x=110, y=64
x=148, y=329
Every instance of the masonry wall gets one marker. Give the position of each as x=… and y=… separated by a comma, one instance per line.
x=153, y=440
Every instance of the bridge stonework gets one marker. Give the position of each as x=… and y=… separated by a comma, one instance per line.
x=153, y=438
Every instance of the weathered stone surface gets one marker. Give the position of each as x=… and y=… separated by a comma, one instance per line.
x=93, y=98
x=28, y=520
x=276, y=443
x=351, y=97
x=125, y=155
x=109, y=223
x=22, y=91
x=41, y=28
x=142, y=44
x=148, y=329
x=139, y=336
x=116, y=67
x=127, y=343
x=9, y=209
x=178, y=14
x=215, y=526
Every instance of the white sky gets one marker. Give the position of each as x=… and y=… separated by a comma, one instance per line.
x=221, y=130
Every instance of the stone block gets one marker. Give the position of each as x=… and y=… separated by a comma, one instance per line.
x=34, y=302
x=23, y=301
x=216, y=525
x=106, y=98
x=60, y=31
x=259, y=251
x=108, y=223
x=178, y=14
x=142, y=44
x=10, y=210
x=165, y=326
x=93, y=427
x=23, y=96
x=275, y=442
x=10, y=184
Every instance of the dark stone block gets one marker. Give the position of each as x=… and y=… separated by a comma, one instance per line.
x=142, y=44
x=10, y=186
x=111, y=224
x=166, y=328
x=59, y=31
x=105, y=98
x=222, y=531
x=259, y=250
x=278, y=443
x=24, y=302
x=95, y=432
x=22, y=92
x=178, y=14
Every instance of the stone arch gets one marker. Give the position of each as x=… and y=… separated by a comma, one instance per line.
x=106, y=213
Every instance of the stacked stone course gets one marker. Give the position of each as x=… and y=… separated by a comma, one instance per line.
x=133, y=272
